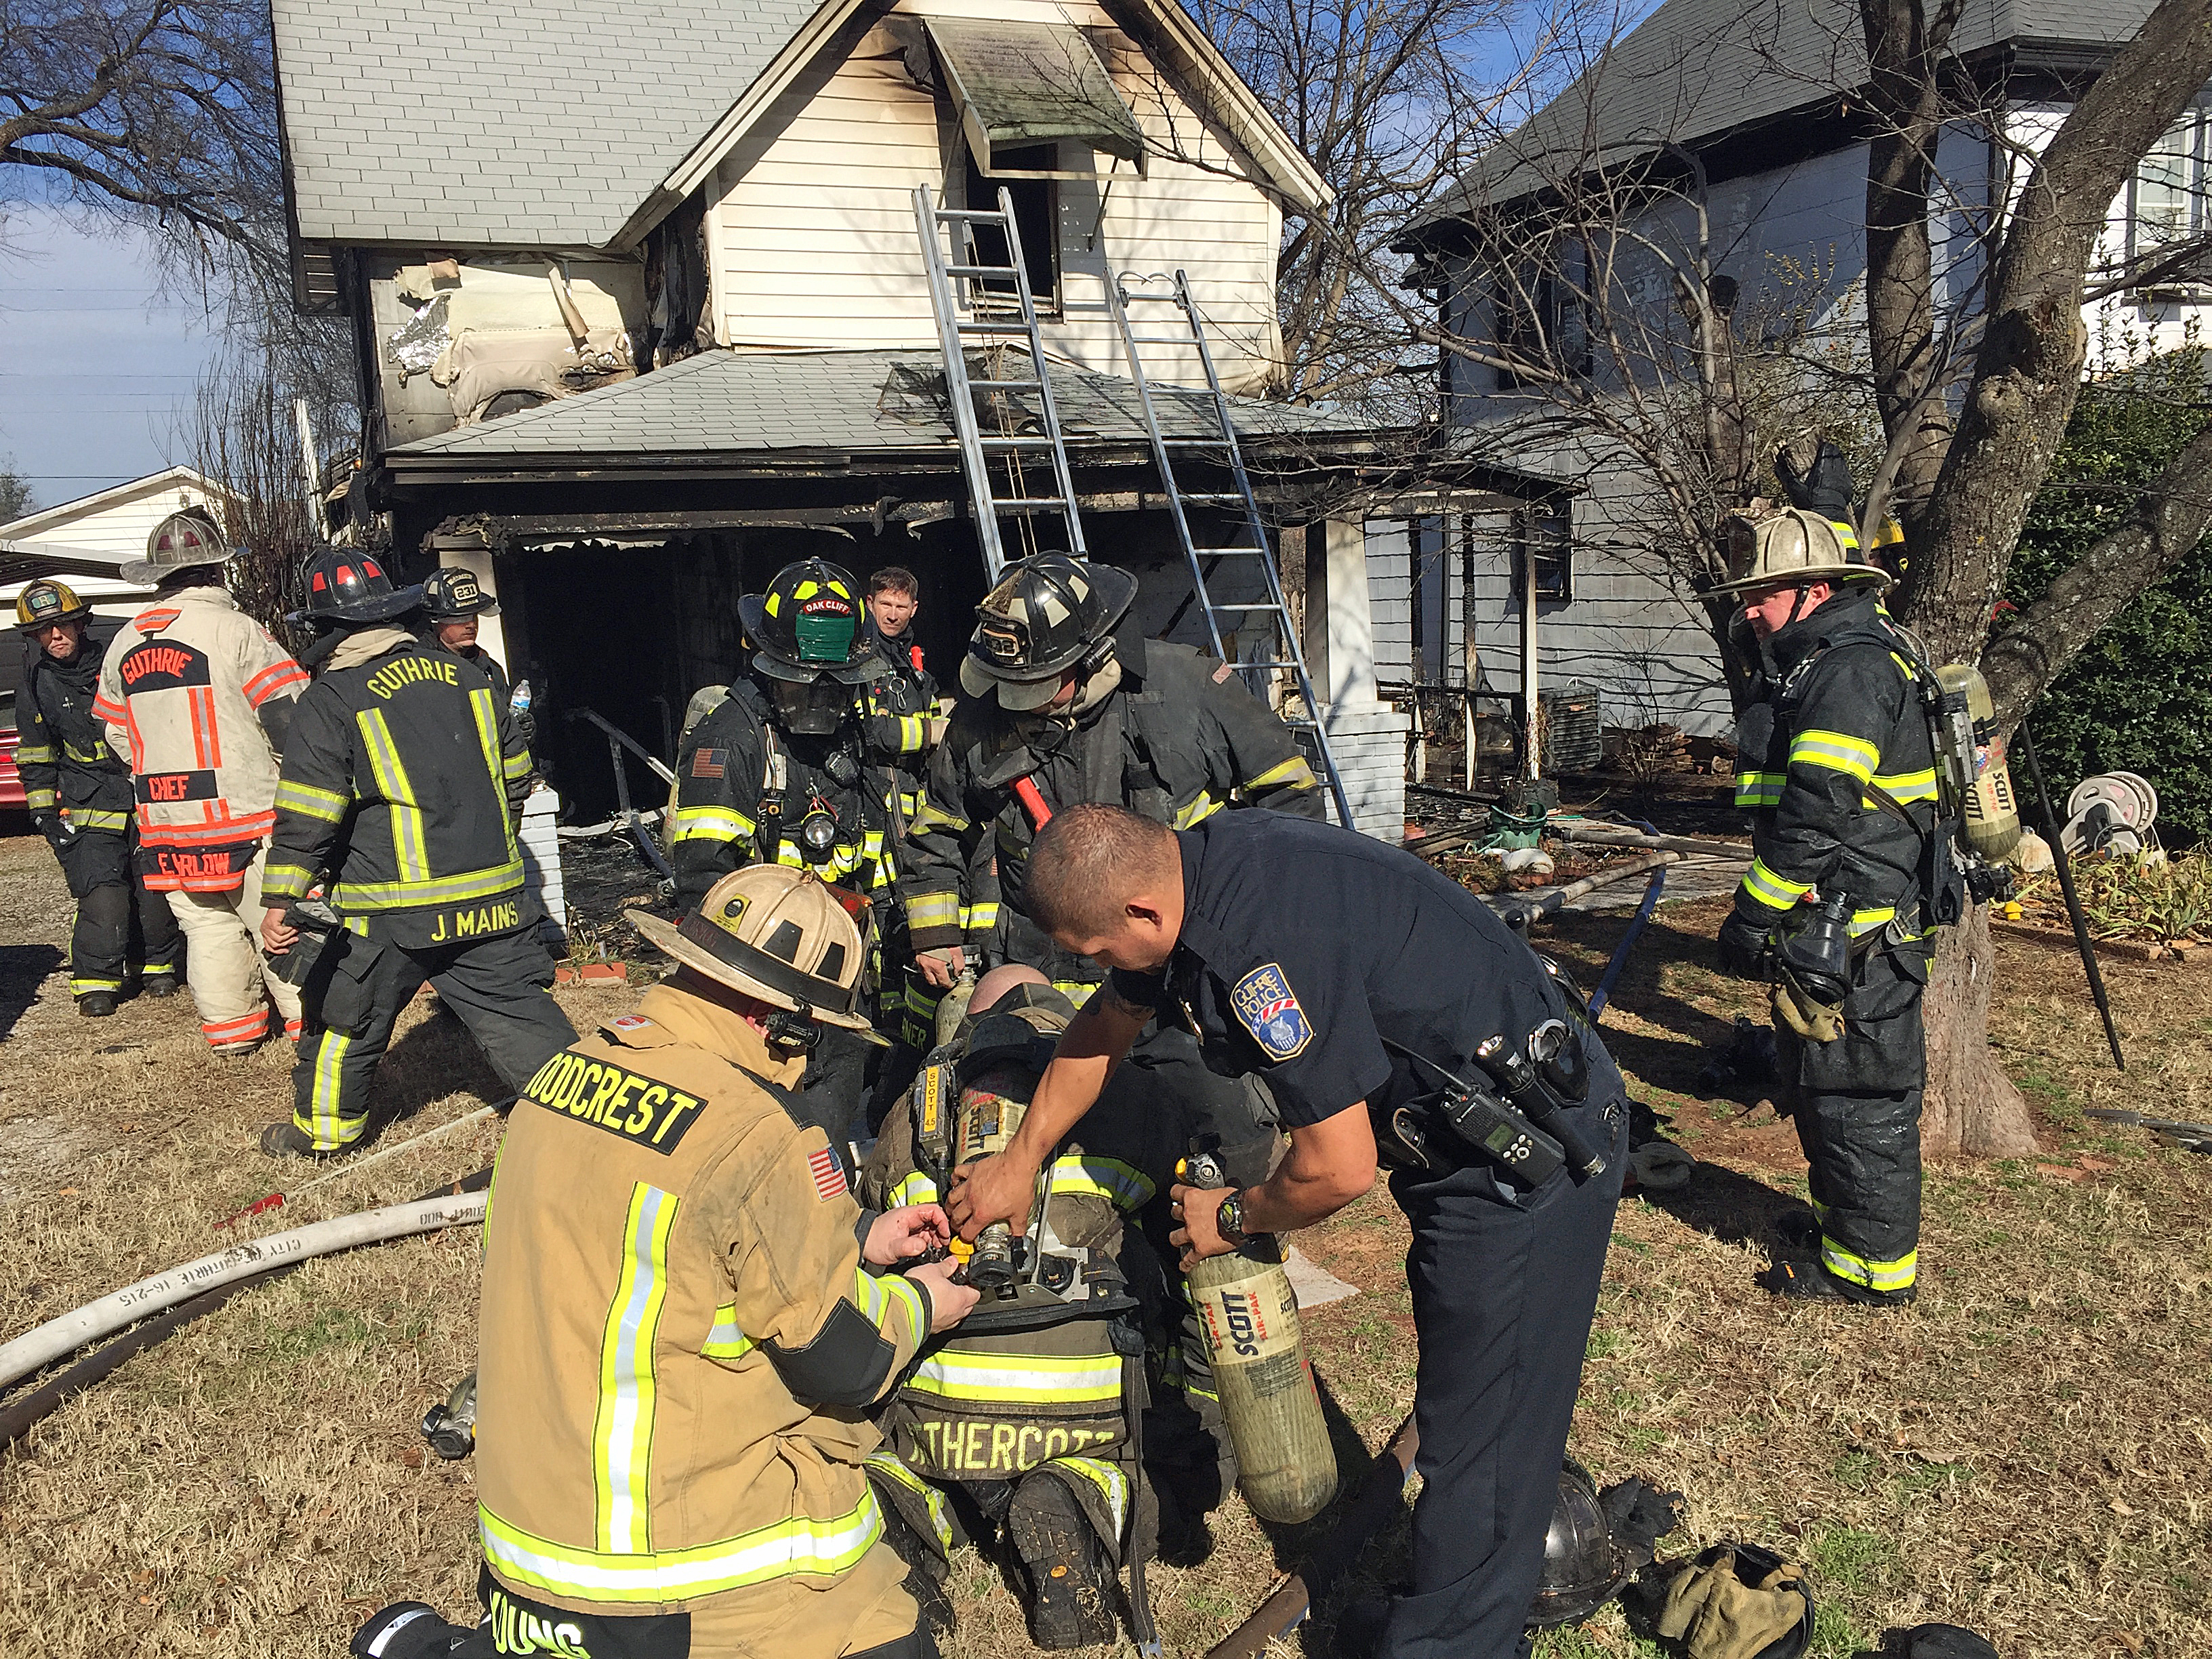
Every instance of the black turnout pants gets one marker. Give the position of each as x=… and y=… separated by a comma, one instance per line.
x=1857, y=1102
x=500, y=987
x=1504, y=1290
x=117, y=921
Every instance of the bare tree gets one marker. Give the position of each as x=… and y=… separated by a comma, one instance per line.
x=241, y=435
x=15, y=495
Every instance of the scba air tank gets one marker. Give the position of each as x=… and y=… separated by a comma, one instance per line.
x=1973, y=759
x=1285, y=1466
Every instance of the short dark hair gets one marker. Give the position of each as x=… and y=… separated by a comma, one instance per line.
x=1087, y=864
x=895, y=579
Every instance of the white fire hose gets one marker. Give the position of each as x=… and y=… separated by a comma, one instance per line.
x=41, y=1347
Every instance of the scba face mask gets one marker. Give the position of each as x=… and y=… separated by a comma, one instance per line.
x=816, y=709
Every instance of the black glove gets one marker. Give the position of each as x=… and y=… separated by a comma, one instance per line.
x=54, y=828
x=1746, y=945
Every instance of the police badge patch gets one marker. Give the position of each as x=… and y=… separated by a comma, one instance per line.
x=1269, y=1008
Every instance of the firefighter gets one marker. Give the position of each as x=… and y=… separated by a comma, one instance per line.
x=79, y=797
x=453, y=600
x=778, y=772
x=401, y=789
x=685, y=1314
x=1383, y=1002
x=902, y=725
x=1031, y=1425
x=197, y=699
x=1060, y=710
x=1836, y=767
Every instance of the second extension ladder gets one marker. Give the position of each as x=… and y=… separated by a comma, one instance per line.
x=977, y=297
x=1184, y=330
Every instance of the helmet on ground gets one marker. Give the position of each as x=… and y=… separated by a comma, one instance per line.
x=186, y=537
x=1583, y=1568
x=46, y=602
x=450, y=592
x=345, y=584
x=776, y=933
x=1048, y=613
x=811, y=622
x=1792, y=548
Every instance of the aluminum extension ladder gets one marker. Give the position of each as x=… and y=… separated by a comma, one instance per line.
x=1186, y=331
x=966, y=310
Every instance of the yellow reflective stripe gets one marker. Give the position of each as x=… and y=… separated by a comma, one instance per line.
x=1865, y=922
x=1758, y=788
x=304, y=798
x=79, y=987
x=940, y=910
x=1197, y=810
x=1107, y=1479
x=88, y=757
x=1905, y=786
x=1776, y=892
x=622, y=1434
x=447, y=889
x=876, y=1298
x=323, y=1124
x=886, y=1462
x=287, y=881
x=823, y=1548
x=1295, y=772
x=917, y=1188
x=1838, y=751
x=516, y=766
x=1086, y=1176
x=35, y=754
x=725, y=1341
x=410, y=856
x=486, y=712
x=1059, y=1379
x=934, y=817
x=711, y=823
x=1845, y=533
x=978, y=918
x=914, y=730
x=1075, y=991
x=85, y=818
x=1874, y=1275
x=37, y=800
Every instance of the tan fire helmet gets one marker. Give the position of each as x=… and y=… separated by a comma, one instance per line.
x=1790, y=547
x=774, y=933
x=185, y=538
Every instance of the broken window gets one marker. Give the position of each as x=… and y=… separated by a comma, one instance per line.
x=1037, y=221
x=1540, y=324
x=1544, y=536
x=2166, y=202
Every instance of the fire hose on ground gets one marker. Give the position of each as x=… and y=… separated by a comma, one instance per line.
x=201, y=1287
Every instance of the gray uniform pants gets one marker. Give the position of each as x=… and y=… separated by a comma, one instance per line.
x=500, y=987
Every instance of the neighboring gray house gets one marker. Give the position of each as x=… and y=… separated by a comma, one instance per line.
x=1764, y=96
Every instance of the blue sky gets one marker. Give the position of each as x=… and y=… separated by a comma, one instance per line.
x=95, y=362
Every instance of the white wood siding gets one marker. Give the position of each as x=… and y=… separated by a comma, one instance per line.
x=812, y=233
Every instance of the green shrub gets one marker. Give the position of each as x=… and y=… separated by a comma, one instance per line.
x=2133, y=699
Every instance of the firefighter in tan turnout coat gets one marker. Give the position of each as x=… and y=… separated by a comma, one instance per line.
x=685, y=1317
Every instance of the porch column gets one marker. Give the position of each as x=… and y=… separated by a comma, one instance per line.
x=1366, y=735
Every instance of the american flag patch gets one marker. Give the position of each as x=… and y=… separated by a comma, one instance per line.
x=709, y=762
x=828, y=1174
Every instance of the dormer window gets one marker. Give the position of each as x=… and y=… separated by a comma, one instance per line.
x=1036, y=220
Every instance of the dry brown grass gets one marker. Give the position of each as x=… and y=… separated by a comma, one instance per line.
x=2021, y=1452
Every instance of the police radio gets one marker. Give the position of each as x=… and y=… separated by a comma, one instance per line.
x=1482, y=1122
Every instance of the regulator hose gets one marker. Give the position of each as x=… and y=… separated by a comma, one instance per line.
x=40, y=1347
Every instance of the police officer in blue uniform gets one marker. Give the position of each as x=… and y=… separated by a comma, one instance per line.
x=1393, y=1015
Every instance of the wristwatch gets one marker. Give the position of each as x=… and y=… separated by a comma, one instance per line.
x=1229, y=1219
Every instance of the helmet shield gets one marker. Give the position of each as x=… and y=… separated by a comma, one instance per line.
x=46, y=602
x=810, y=621
x=1050, y=612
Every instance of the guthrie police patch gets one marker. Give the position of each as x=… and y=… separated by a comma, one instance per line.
x=1269, y=1008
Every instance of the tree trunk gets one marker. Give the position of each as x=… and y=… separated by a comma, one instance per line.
x=1970, y=1108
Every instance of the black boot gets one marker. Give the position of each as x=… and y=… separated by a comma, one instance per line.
x=285, y=1140
x=1808, y=1281
x=96, y=1004
x=407, y=1630
x=160, y=986
x=1071, y=1585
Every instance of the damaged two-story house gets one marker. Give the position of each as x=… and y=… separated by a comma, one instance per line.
x=643, y=314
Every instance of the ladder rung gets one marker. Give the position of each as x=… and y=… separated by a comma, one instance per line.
x=1244, y=607
x=1006, y=385
x=1028, y=503
x=1040, y=440
x=981, y=270
x=952, y=216
x=1163, y=339
x=1012, y=325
